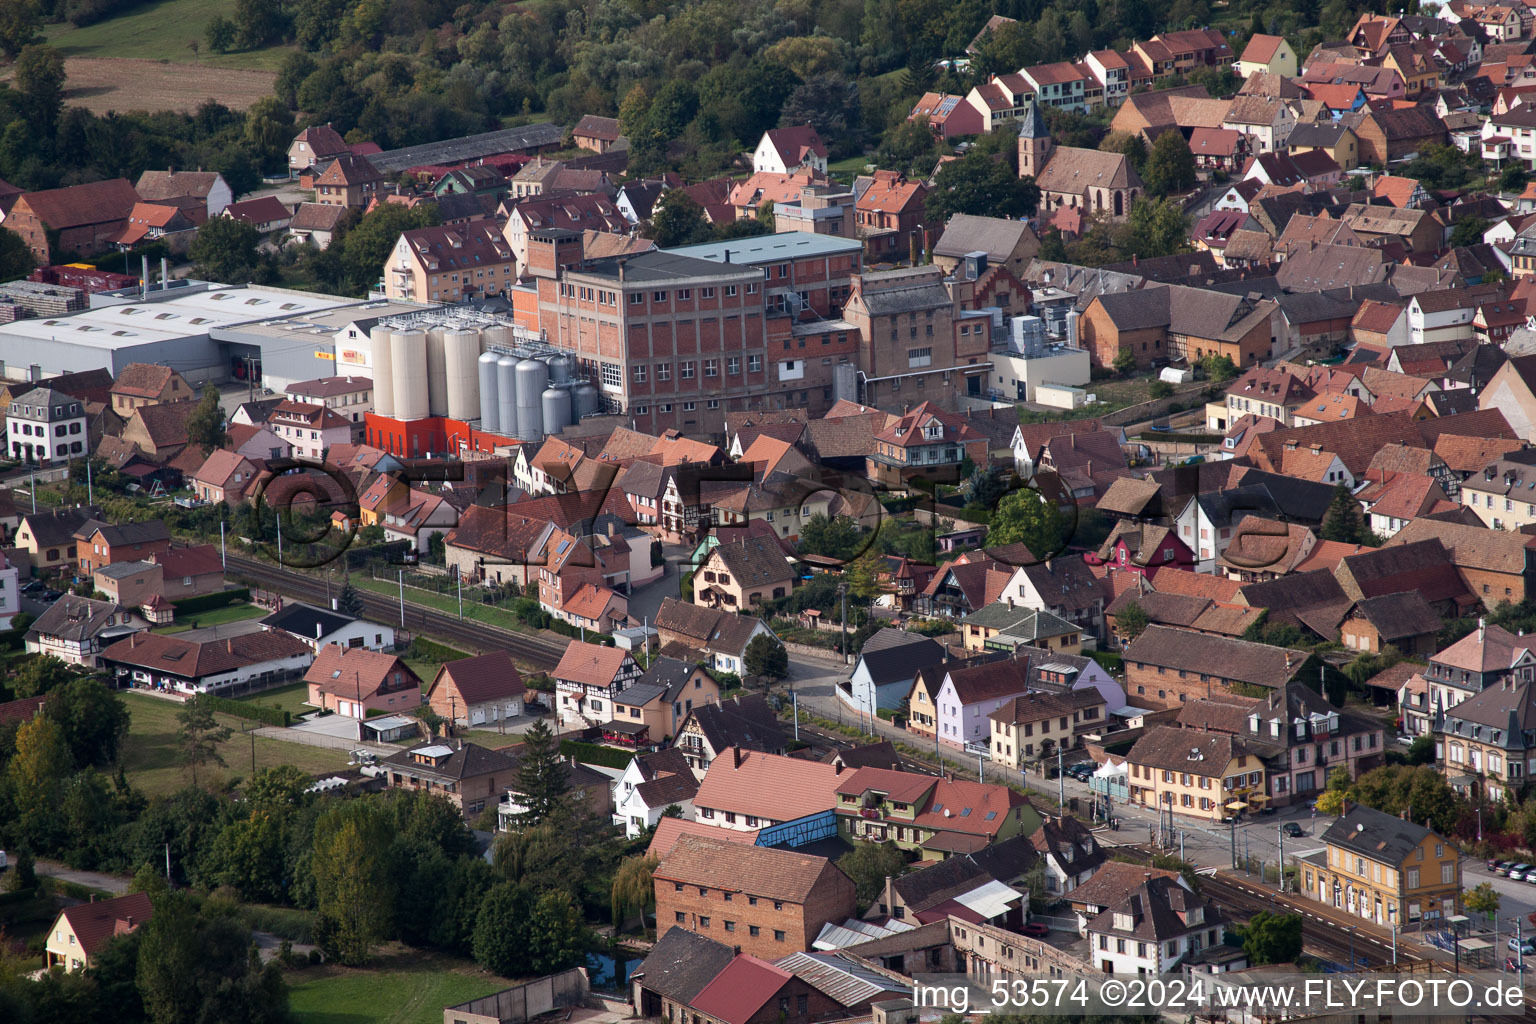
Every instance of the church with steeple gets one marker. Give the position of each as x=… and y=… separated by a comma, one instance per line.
x=1098, y=183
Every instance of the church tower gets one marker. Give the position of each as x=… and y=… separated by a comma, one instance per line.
x=1035, y=143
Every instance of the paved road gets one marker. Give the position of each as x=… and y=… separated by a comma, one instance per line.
x=92, y=879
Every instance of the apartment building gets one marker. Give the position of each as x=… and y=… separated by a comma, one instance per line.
x=909, y=340
x=450, y=263
x=1489, y=737
x=349, y=397
x=310, y=429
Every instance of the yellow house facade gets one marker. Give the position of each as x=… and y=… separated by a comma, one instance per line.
x=1385, y=870
x=1196, y=774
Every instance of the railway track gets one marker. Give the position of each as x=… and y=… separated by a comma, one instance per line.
x=475, y=637
x=1321, y=935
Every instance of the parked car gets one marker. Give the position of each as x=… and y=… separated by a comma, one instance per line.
x=1495, y=865
x=1517, y=873
x=50, y=596
x=33, y=586
x=1292, y=829
x=1039, y=931
x=1525, y=947
x=3, y=862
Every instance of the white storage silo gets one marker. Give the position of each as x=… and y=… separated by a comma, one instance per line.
x=383, y=376
x=408, y=354
x=585, y=400
x=437, y=372
x=461, y=347
x=506, y=396
x=555, y=405
x=495, y=336
x=532, y=379
x=490, y=410
x=560, y=369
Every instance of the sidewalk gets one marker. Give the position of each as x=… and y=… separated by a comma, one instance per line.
x=90, y=879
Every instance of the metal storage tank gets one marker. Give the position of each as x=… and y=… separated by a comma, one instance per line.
x=556, y=403
x=532, y=379
x=559, y=369
x=506, y=396
x=437, y=372
x=495, y=335
x=408, y=354
x=585, y=400
x=490, y=411
x=383, y=377
x=461, y=347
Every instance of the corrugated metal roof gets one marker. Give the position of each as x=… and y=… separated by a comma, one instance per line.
x=849, y=983
x=989, y=900
x=853, y=931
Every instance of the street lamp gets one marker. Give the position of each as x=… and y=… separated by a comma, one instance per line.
x=1392, y=923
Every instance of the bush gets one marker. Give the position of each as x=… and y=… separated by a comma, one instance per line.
x=431, y=650
x=1160, y=389
x=592, y=753
x=208, y=602
x=279, y=717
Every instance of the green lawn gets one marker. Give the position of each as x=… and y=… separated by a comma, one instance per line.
x=291, y=697
x=161, y=31
x=153, y=763
x=443, y=602
x=215, y=617
x=406, y=989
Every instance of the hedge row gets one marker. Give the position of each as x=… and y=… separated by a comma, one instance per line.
x=12, y=639
x=592, y=753
x=208, y=602
x=240, y=709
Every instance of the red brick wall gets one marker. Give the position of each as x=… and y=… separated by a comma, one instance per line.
x=831, y=900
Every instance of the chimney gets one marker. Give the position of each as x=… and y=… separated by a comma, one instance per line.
x=1482, y=628
x=736, y=757
x=229, y=645
x=317, y=631
x=130, y=922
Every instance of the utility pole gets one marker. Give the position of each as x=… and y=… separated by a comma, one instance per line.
x=90, y=498
x=842, y=594
x=1232, y=835
x=795, y=702
x=461, y=598
x=223, y=558
x=402, y=598
x=1392, y=920
x=1280, y=847
x=167, y=863
x=279, y=517
x=253, y=751
x=1061, y=783
x=32, y=486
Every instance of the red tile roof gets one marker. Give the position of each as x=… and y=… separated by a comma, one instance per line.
x=739, y=992
x=96, y=922
x=767, y=785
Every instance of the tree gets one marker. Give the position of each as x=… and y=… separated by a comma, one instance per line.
x=831, y=537
x=19, y=22
x=35, y=776
x=1513, y=178
x=1421, y=750
x=369, y=241
x=1156, y=227
x=980, y=185
x=221, y=34
x=500, y=941
x=1170, y=166
x=1030, y=518
x=633, y=890
x=1271, y=938
x=983, y=488
x=1125, y=362
x=92, y=719
x=1468, y=231
x=40, y=80
x=15, y=258
x=225, y=250
x=677, y=219
x=200, y=735
x=1218, y=369
x=830, y=104
x=195, y=967
x=863, y=576
x=558, y=938
x=205, y=426
x=40, y=675
x=766, y=658
x=1331, y=800
x=352, y=887
x=268, y=129
x=1344, y=521
x=349, y=601
x=869, y=864
x=1132, y=147
x=542, y=778
x=1483, y=900
x=1130, y=621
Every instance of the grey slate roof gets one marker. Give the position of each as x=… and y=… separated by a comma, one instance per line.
x=892, y=655
x=681, y=964
x=995, y=236
x=890, y=301
x=1376, y=835
x=300, y=619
